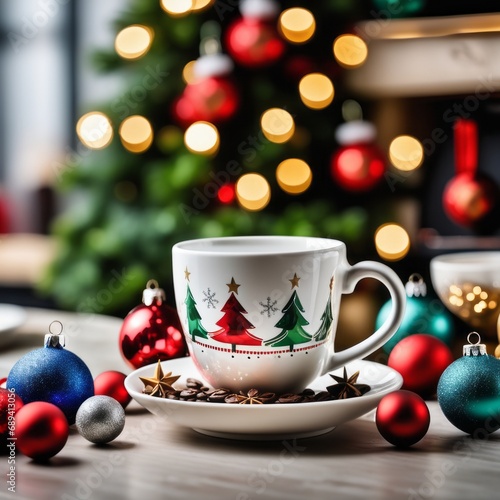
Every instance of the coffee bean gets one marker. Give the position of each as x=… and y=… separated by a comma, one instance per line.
x=307, y=392
x=232, y=399
x=201, y=396
x=290, y=398
x=219, y=395
x=193, y=383
x=188, y=393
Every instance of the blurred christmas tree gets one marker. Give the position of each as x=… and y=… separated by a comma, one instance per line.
x=157, y=180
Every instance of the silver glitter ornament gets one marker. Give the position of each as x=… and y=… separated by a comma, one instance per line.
x=100, y=419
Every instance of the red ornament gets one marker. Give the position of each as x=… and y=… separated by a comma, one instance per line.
x=420, y=359
x=470, y=197
x=41, y=430
x=213, y=99
x=152, y=331
x=358, y=165
x=10, y=403
x=253, y=42
x=402, y=418
x=110, y=384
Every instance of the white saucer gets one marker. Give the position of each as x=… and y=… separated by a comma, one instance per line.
x=271, y=421
x=10, y=318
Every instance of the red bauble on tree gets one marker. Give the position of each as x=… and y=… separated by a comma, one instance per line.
x=470, y=199
x=10, y=403
x=41, y=430
x=358, y=165
x=420, y=359
x=253, y=40
x=212, y=99
x=151, y=331
x=402, y=418
x=110, y=384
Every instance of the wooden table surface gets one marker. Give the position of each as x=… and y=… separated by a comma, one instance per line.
x=155, y=459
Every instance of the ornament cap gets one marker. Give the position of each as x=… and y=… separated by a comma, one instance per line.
x=53, y=339
x=416, y=287
x=474, y=348
x=355, y=132
x=153, y=293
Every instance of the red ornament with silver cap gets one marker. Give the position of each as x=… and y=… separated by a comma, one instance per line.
x=358, y=165
x=253, y=40
x=212, y=96
x=151, y=331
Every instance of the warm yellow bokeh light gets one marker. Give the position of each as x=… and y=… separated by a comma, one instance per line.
x=316, y=91
x=350, y=51
x=253, y=192
x=406, y=153
x=134, y=41
x=202, y=138
x=277, y=125
x=294, y=176
x=177, y=8
x=136, y=134
x=188, y=73
x=199, y=5
x=94, y=130
x=297, y=25
x=392, y=242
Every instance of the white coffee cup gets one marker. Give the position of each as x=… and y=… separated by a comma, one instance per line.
x=261, y=311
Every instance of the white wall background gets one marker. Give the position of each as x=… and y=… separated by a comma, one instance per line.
x=35, y=90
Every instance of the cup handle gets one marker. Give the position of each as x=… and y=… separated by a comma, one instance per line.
x=384, y=274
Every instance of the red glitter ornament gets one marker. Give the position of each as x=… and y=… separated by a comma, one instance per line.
x=151, y=331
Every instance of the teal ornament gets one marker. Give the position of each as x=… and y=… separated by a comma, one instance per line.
x=399, y=8
x=469, y=391
x=422, y=315
x=54, y=375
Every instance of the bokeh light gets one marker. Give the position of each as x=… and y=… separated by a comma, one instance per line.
x=136, y=134
x=406, y=153
x=253, y=192
x=350, y=51
x=188, y=73
x=297, y=25
x=277, y=125
x=226, y=194
x=316, y=90
x=94, y=129
x=392, y=242
x=199, y=5
x=202, y=138
x=177, y=8
x=134, y=41
x=294, y=176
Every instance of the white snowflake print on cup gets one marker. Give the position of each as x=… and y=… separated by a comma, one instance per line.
x=282, y=343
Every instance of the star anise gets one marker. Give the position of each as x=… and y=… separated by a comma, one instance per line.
x=347, y=387
x=160, y=384
x=252, y=397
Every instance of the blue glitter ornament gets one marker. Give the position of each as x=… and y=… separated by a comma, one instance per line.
x=54, y=375
x=469, y=391
x=422, y=315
